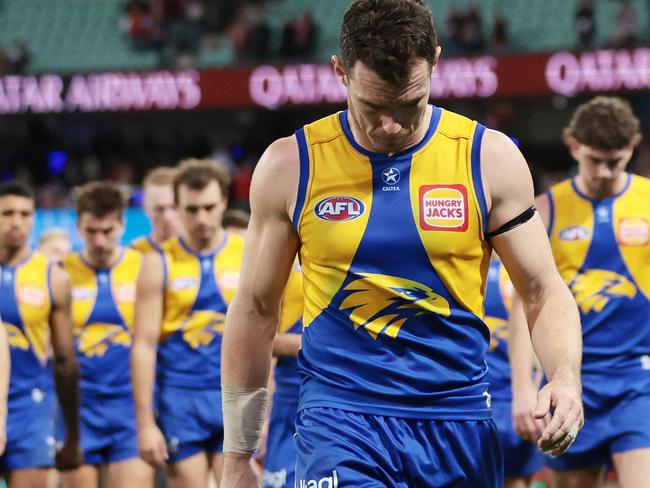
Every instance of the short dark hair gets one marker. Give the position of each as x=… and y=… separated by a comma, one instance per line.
x=388, y=36
x=100, y=198
x=606, y=123
x=196, y=174
x=16, y=188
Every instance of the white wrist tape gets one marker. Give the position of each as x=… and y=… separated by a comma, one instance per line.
x=243, y=418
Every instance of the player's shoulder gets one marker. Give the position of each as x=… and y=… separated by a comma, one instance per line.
x=454, y=125
x=141, y=245
x=640, y=183
x=132, y=256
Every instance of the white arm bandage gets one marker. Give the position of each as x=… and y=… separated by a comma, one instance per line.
x=243, y=417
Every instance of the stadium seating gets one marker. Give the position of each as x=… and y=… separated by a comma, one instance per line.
x=72, y=35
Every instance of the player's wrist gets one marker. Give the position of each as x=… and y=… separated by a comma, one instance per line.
x=243, y=413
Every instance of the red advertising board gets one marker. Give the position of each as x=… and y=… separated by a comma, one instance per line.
x=272, y=87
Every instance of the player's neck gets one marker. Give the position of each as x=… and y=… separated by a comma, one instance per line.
x=109, y=263
x=200, y=246
x=11, y=256
x=158, y=237
x=605, y=190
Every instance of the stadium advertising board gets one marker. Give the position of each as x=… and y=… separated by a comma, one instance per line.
x=271, y=86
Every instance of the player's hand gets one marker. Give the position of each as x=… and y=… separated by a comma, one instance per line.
x=560, y=399
x=524, y=401
x=238, y=472
x=69, y=457
x=152, y=445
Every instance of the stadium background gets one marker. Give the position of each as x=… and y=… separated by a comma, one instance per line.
x=111, y=88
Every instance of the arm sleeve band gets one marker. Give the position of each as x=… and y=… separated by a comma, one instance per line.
x=522, y=218
x=243, y=417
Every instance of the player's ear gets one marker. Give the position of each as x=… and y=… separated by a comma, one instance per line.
x=339, y=69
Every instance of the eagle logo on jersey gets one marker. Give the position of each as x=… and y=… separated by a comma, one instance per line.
x=19, y=340
x=498, y=331
x=201, y=328
x=383, y=303
x=596, y=287
x=95, y=339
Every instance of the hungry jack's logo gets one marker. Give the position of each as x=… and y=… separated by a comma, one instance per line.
x=443, y=207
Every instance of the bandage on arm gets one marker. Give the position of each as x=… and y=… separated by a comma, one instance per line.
x=243, y=414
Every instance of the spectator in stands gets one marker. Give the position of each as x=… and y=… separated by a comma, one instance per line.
x=585, y=23
x=626, y=28
x=305, y=37
x=499, y=40
x=140, y=26
x=17, y=57
x=258, y=44
x=287, y=46
x=471, y=34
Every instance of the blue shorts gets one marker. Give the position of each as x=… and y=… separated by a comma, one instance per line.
x=30, y=431
x=341, y=448
x=108, y=430
x=280, y=459
x=191, y=421
x=520, y=458
x=613, y=422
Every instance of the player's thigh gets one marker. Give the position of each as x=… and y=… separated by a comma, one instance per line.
x=85, y=476
x=517, y=482
x=632, y=468
x=216, y=466
x=191, y=472
x=27, y=478
x=130, y=473
x=578, y=478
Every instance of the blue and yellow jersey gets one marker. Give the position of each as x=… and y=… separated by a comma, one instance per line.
x=601, y=250
x=287, y=377
x=394, y=264
x=198, y=290
x=25, y=308
x=498, y=299
x=103, y=305
x=145, y=245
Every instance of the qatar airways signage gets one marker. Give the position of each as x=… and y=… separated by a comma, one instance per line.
x=310, y=84
x=599, y=71
x=102, y=92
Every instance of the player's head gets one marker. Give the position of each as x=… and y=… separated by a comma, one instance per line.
x=100, y=220
x=16, y=215
x=55, y=244
x=388, y=50
x=236, y=221
x=159, y=202
x=201, y=196
x=602, y=136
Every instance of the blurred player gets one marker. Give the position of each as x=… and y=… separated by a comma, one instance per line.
x=181, y=305
x=159, y=207
x=55, y=244
x=598, y=227
x=35, y=310
x=280, y=455
x=5, y=368
x=235, y=221
x=391, y=204
x=103, y=289
x=520, y=458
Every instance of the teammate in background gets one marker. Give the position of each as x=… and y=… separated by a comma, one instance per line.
x=181, y=307
x=103, y=289
x=5, y=369
x=598, y=227
x=35, y=311
x=55, y=244
x=159, y=207
x=280, y=457
x=520, y=458
x=380, y=199
x=236, y=221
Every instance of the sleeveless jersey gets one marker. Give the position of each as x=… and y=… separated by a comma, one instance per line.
x=287, y=378
x=498, y=297
x=198, y=289
x=144, y=245
x=25, y=308
x=394, y=263
x=103, y=305
x=601, y=250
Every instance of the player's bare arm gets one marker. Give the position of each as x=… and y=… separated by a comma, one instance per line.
x=251, y=324
x=286, y=344
x=66, y=368
x=550, y=310
x=5, y=368
x=148, y=317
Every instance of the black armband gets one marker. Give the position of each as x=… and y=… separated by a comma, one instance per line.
x=522, y=218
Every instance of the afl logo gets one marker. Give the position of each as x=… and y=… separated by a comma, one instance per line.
x=339, y=208
x=574, y=233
